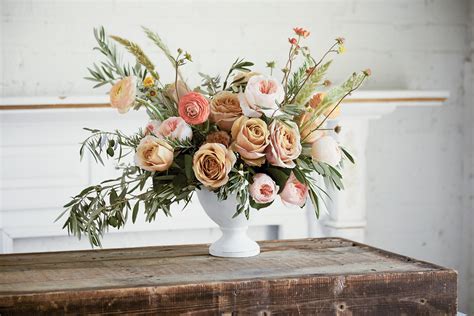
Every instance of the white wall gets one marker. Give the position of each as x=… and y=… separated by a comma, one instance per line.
x=418, y=176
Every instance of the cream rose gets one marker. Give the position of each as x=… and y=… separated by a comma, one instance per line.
x=326, y=150
x=225, y=109
x=212, y=164
x=284, y=145
x=154, y=154
x=308, y=123
x=123, y=93
x=250, y=139
x=263, y=94
x=263, y=189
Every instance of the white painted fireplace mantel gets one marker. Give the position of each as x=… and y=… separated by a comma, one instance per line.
x=40, y=169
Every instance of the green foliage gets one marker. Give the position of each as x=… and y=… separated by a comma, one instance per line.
x=297, y=79
x=211, y=84
x=309, y=87
x=240, y=65
x=337, y=94
x=106, y=72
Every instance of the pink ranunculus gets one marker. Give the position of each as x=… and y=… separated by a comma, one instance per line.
x=176, y=128
x=152, y=127
x=194, y=108
x=263, y=94
x=294, y=192
x=263, y=189
x=123, y=94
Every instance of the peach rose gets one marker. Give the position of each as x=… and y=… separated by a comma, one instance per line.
x=212, y=164
x=153, y=154
x=251, y=137
x=263, y=94
x=315, y=102
x=123, y=93
x=225, y=109
x=326, y=150
x=284, y=145
x=263, y=189
x=308, y=123
x=152, y=127
x=194, y=108
x=294, y=192
x=170, y=90
x=176, y=128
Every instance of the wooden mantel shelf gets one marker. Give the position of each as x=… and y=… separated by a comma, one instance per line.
x=360, y=98
x=307, y=276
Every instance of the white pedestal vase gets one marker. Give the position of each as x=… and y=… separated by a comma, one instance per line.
x=234, y=241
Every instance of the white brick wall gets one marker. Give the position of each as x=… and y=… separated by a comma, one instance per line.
x=416, y=188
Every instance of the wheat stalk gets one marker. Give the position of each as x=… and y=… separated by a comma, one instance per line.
x=139, y=54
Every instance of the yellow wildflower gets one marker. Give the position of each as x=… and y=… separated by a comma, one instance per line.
x=149, y=82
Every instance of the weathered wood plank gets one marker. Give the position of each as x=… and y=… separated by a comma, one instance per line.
x=290, y=277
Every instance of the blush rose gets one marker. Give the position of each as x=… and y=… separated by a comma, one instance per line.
x=263, y=189
x=294, y=192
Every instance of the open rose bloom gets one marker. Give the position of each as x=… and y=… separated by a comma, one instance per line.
x=256, y=135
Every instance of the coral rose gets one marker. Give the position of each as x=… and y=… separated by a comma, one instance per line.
x=326, y=150
x=284, y=145
x=263, y=94
x=212, y=164
x=172, y=91
x=251, y=137
x=294, y=192
x=154, y=154
x=308, y=123
x=263, y=189
x=123, y=93
x=194, y=108
x=225, y=109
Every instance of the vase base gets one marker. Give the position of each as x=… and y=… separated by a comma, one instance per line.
x=247, y=249
x=234, y=254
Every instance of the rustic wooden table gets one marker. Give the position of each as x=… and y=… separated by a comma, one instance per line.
x=307, y=277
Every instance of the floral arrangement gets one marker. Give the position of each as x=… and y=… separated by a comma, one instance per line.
x=250, y=135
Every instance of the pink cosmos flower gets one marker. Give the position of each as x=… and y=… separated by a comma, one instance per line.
x=294, y=192
x=263, y=189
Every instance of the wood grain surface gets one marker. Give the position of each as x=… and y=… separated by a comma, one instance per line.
x=307, y=276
